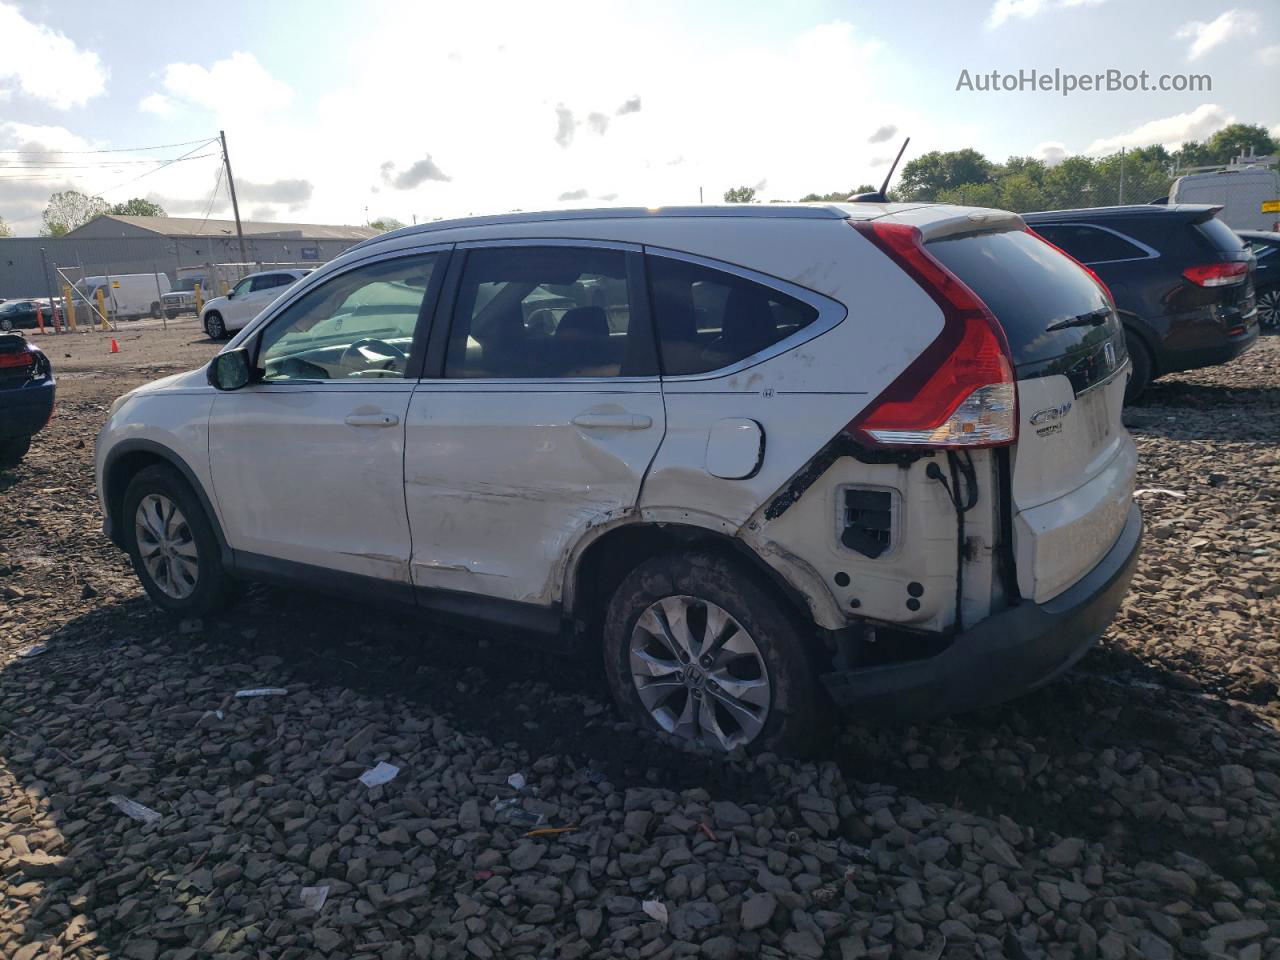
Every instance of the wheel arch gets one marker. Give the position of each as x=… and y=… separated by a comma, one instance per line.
x=125, y=461
x=601, y=561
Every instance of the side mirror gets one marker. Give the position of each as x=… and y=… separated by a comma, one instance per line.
x=231, y=294
x=230, y=370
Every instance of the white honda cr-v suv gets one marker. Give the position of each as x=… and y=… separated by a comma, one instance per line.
x=764, y=459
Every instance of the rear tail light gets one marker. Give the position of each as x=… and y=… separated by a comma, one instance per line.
x=19, y=359
x=1217, y=274
x=960, y=391
x=1106, y=291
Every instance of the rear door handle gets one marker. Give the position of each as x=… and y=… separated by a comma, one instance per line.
x=613, y=421
x=372, y=420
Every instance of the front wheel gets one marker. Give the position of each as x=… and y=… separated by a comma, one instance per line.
x=171, y=314
x=172, y=544
x=214, y=326
x=1269, y=309
x=696, y=645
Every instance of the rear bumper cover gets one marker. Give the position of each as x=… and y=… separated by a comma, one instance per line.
x=25, y=410
x=1005, y=656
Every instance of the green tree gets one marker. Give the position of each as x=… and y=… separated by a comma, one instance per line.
x=971, y=195
x=386, y=224
x=927, y=175
x=740, y=195
x=137, y=207
x=68, y=210
x=836, y=196
x=1071, y=184
x=1021, y=193
x=5, y=229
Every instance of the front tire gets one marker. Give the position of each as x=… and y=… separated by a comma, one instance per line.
x=171, y=314
x=172, y=544
x=698, y=646
x=214, y=326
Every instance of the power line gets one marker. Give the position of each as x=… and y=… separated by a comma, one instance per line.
x=159, y=146
x=112, y=165
x=167, y=163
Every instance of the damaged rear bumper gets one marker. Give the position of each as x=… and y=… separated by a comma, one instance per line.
x=1005, y=656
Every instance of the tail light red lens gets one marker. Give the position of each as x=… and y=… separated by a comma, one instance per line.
x=1106, y=291
x=1217, y=274
x=19, y=359
x=960, y=391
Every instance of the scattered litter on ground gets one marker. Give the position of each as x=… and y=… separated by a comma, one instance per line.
x=707, y=830
x=262, y=692
x=655, y=909
x=522, y=817
x=516, y=781
x=1146, y=491
x=383, y=773
x=131, y=808
x=314, y=897
x=35, y=650
x=550, y=831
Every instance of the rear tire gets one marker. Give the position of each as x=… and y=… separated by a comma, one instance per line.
x=12, y=451
x=761, y=642
x=155, y=309
x=214, y=326
x=6, y=324
x=1140, y=359
x=172, y=544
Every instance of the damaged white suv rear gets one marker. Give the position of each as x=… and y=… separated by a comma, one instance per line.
x=763, y=459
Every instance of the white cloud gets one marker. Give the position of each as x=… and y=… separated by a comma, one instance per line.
x=156, y=103
x=236, y=86
x=1205, y=36
x=1196, y=124
x=1052, y=152
x=1005, y=10
x=45, y=64
x=1270, y=55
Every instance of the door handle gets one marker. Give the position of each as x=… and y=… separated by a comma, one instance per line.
x=613, y=421
x=372, y=420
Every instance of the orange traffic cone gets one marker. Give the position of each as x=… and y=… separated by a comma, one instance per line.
x=115, y=347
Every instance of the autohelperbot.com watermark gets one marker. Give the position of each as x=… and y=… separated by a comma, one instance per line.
x=1065, y=82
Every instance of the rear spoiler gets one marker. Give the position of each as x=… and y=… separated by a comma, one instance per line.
x=941, y=223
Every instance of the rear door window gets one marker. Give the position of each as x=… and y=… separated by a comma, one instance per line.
x=1049, y=306
x=549, y=312
x=1090, y=244
x=1220, y=238
x=708, y=319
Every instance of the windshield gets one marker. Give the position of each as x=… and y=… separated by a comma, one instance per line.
x=188, y=284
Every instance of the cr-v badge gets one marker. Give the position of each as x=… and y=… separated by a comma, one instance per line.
x=1049, y=421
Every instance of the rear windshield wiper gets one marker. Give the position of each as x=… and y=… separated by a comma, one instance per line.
x=1091, y=319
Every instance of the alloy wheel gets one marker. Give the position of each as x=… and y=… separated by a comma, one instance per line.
x=166, y=546
x=1269, y=309
x=699, y=673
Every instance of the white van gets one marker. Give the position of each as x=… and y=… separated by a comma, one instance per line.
x=1249, y=195
x=127, y=295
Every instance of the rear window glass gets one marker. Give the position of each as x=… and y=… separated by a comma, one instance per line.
x=1090, y=244
x=1030, y=287
x=1220, y=237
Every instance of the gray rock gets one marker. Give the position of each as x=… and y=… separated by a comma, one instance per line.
x=526, y=856
x=757, y=911
x=589, y=921
x=1065, y=853
x=696, y=915
x=801, y=944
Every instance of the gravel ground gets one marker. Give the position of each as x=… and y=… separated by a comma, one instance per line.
x=1131, y=810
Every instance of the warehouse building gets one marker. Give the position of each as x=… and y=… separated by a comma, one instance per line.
x=115, y=244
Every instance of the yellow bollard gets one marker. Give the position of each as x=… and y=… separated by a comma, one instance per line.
x=69, y=306
x=199, y=300
x=102, y=309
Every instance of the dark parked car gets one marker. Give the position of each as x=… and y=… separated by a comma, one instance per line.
x=16, y=314
x=1182, y=281
x=1266, y=281
x=26, y=396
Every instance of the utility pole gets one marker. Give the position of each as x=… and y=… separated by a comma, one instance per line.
x=231, y=185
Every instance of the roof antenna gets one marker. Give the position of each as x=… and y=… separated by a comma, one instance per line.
x=881, y=195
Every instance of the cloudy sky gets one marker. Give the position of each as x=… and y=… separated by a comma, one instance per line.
x=342, y=112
